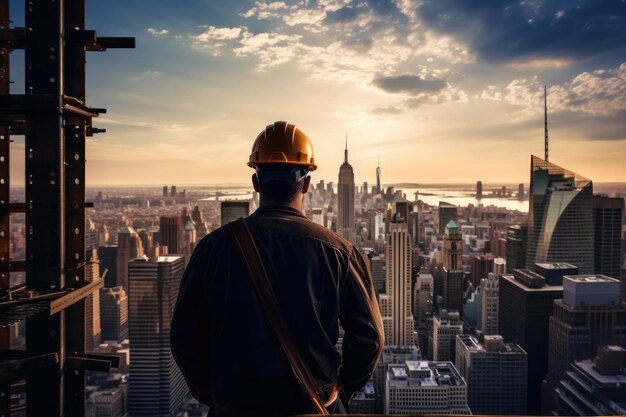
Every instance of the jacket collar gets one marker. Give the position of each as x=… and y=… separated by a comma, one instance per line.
x=279, y=209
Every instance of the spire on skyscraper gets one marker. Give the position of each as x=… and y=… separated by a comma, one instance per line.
x=345, y=152
x=545, y=117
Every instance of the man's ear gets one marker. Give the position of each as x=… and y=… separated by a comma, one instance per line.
x=255, y=183
x=307, y=182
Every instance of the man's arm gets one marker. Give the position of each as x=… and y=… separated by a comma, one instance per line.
x=360, y=317
x=189, y=335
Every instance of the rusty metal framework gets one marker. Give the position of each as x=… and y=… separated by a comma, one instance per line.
x=54, y=119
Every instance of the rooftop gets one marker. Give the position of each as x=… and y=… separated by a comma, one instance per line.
x=425, y=373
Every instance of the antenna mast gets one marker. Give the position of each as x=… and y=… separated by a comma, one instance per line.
x=545, y=116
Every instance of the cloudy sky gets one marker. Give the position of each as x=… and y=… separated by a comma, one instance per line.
x=441, y=90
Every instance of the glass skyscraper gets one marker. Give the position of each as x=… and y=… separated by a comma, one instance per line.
x=560, y=221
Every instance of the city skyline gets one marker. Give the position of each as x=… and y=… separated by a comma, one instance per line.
x=406, y=81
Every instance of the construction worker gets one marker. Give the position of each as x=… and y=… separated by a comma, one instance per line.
x=220, y=337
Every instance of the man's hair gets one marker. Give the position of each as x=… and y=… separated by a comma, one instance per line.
x=280, y=191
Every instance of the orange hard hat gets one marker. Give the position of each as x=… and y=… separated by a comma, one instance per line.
x=282, y=143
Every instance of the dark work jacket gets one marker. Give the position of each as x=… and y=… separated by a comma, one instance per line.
x=223, y=343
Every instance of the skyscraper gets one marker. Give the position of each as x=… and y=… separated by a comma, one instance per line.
x=481, y=266
x=92, y=302
x=525, y=308
x=479, y=190
x=594, y=387
x=379, y=189
x=232, y=210
x=516, y=241
x=452, y=264
x=423, y=298
x=588, y=316
x=452, y=247
x=495, y=373
x=489, y=304
x=560, y=221
x=114, y=314
x=345, y=203
x=396, y=302
x=446, y=326
x=108, y=263
x=129, y=247
x=171, y=233
x=447, y=212
x=607, y=222
x=156, y=385
x=202, y=228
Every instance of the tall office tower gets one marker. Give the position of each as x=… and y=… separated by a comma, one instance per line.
x=479, y=190
x=202, y=229
x=396, y=302
x=525, y=306
x=128, y=248
x=447, y=212
x=165, y=191
x=391, y=355
x=423, y=298
x=516, y=241
x=489, y=304
x=446, y=326
x=379, y=273
x=318, y=215
x=103, y=235
x=495, y=373
x=92, y=302
x=481, y=267
x=345, y=200
x=594, y=387
x=421, y=387
x=379, y=188
x=607, y=223
x=156, y=386
x=232, y=210
x=452, y=264
x=114, y=314
x=399, y=325
x=189, y=238
x=560, y=220
x=365, y=188
x=453, y=289
x=330, y=191
x=171, y=233
x=146, y=239
x=470, y=315
x=452, y=247
x=173, y=191
x=91, y=235
x=588, y=316
x=520, y=192
x=108, y=264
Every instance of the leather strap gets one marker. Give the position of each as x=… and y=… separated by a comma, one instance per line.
x=272, y=309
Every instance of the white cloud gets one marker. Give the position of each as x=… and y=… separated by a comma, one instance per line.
x=599, y=93
x=214, y=39
x=157, y=32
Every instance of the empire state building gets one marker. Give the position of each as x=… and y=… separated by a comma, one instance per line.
x=345, y=208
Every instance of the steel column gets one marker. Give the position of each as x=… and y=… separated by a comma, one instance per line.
x=44, y=145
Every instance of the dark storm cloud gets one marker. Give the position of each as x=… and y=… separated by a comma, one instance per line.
x=408, y=84
x=505, y=30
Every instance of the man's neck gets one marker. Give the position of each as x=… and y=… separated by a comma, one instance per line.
x=296, y=203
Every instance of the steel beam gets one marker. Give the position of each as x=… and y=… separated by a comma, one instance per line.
x=45, y=222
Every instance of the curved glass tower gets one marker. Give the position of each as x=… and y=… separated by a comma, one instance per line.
x=560, y=221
